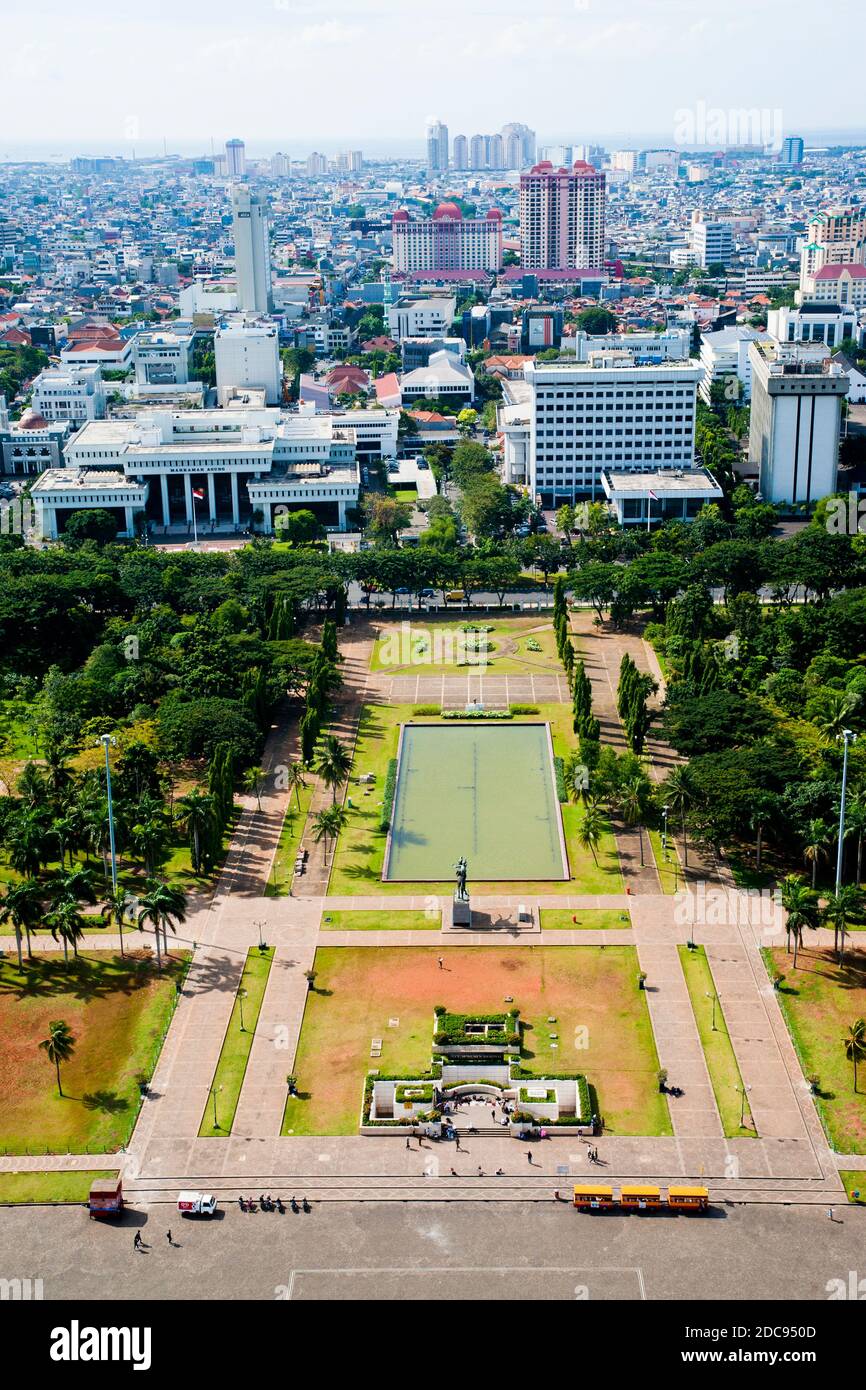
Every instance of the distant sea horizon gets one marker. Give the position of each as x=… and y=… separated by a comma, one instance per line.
x=375, y=148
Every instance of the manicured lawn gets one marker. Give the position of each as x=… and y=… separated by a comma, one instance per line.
x=360, y=852
x=855, y=1181
x=74, y=1187
x=400, y=647
x=280, y=880
x=718, y=1049
x=228, y=1078
x=591, y=919
x=382, y=921
x=602, y=1024
x=118, y=1010
x=820, y=1001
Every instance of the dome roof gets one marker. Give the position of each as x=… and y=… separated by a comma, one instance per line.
x=400, y=216
x=448, y=210
x=33, y=422
x=495, y=215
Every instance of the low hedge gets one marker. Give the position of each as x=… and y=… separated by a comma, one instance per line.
x=453, y=1085
x=413, y=1093
x=526, y=1099
x=426, y=711
x=476, y=714
x=388, y=795
x=451, y=1028
x=559, y=772
x=525, y=709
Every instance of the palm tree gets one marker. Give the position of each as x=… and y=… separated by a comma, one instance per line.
x=162, y=905
x=333, y=763
x=59, y=1046
x=855, y=1044
x=295, y=779
x=801, y=907
x=31, y=786
x=28, y=843
x=842, y=909
x=196, y=817
x=118, y=907
x=678, y=792
x=65, y=922
x=591, y=829
x=254, y=781
x=150, y=832
x=633, y=804
x=840, y=705
x=22, y=906
x=58, y=778
x=764, y=808
x=815, y=848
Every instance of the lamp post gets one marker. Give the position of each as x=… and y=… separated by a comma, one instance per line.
x=847, y=737
x=712, y=995
x=213, y=1091
x=242, y=994
x=744, y=1091
x=108, y=741
x=259, y=926
x=665, y=831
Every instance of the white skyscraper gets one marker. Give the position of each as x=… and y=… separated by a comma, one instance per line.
x=252, y=252
x=236, y=159
x=460, y=152
x=437, y=147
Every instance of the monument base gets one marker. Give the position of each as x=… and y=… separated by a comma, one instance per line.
x=461, y=912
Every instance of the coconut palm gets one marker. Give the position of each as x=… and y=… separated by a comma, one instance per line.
x=162, y=905
x=678, y=792
x=855, y=1044
x=842, y=909
x=22, y=906
x=197, y=818
x=591, y=829
x=58, y=1046
x=150, y=832
x=855, y=824
x=254, y=782
x=815, y=848
x=634, y=800
x=66, y=924
x=295, y=779
x=839, y=707
x=764, y=808
x=29, y=843
x=801, y=909
x=119, y=907
x=333, y=763
x=31, y=786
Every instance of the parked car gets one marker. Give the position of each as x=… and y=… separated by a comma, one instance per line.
x=196, y=1203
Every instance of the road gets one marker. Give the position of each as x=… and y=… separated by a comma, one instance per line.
x=397, y=1251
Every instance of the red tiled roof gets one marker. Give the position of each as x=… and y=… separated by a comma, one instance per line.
x=832, y=272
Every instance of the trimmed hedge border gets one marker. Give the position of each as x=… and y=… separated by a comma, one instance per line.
x=559, y=772
x=388, y=795
x=476, y=714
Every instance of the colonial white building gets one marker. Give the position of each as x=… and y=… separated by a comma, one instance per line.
x=816, y=322
x=570, y=423
x=75, y=394
x=162, y=357
x=725, y=356
x=242, y=463
x=795, y=420
x=422, y=318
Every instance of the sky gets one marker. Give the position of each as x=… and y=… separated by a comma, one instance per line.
x=118, y=75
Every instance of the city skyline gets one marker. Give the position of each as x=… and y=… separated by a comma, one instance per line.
x=557, y=70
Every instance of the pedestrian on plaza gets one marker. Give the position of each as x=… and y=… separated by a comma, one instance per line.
x=480, y=1171
x=441, y=963
x=556, y=1194
x=136, y=1244
x=168, y=1237
x=408, y=1145
x=453, y=1172
x=529, y=1158
x=499, y=1172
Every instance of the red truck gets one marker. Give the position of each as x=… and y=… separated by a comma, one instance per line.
x=106, y=1196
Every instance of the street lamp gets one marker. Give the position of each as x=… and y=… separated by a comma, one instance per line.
x=213, y=1091
x=713, y=997
x=665, y=831
x=108, y=741
x=744, y=1091
x=847, y=737
x=242, y=994
x=259, y=926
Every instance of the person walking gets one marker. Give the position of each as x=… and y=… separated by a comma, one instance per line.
x=136, y=1244
x=441, y=963
x=453, y=1172
x=529, y=1157
x=168, y=1237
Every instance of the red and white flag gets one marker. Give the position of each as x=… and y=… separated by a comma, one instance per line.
x=199, y=496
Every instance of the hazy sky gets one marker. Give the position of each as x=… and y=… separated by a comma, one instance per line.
x=286, y=72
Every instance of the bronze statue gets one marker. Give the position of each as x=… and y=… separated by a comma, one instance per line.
x=461, y=869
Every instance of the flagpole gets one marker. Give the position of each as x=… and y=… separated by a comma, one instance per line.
x=194, y=522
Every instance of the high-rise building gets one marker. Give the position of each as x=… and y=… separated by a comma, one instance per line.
x=562, y=218
x=605, y=414
x=514, y=152
x=252, y=251
x=281, y=165
x=437, y=147
x=236, y=159
x=316, y=163
x=711, y=242
x=460, y=152
x=496, y=152
x=834, y=237
x=792, y=150
x=558, y=155
x=247, y=356
x=350, y=161
x=447, y=240
x=795, y=419
x=527, y=143
x=478, y=152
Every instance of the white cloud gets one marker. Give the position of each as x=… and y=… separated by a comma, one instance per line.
x=329, y=34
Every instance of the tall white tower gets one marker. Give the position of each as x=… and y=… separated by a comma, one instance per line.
x=252, y=252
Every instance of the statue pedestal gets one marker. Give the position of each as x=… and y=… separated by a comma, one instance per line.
x=461, y=912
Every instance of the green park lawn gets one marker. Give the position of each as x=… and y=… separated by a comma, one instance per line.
x=507, y=654
x=854, y=1180
x=602, y=1025
x=360, y=852
x=820, y=1000
x=228, y=1079
x=721, y=1060
x=588, y=919
x=22, y=1189
x=669, y=869
x=402, y=920
x=118, y=1010
x=280, y=879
